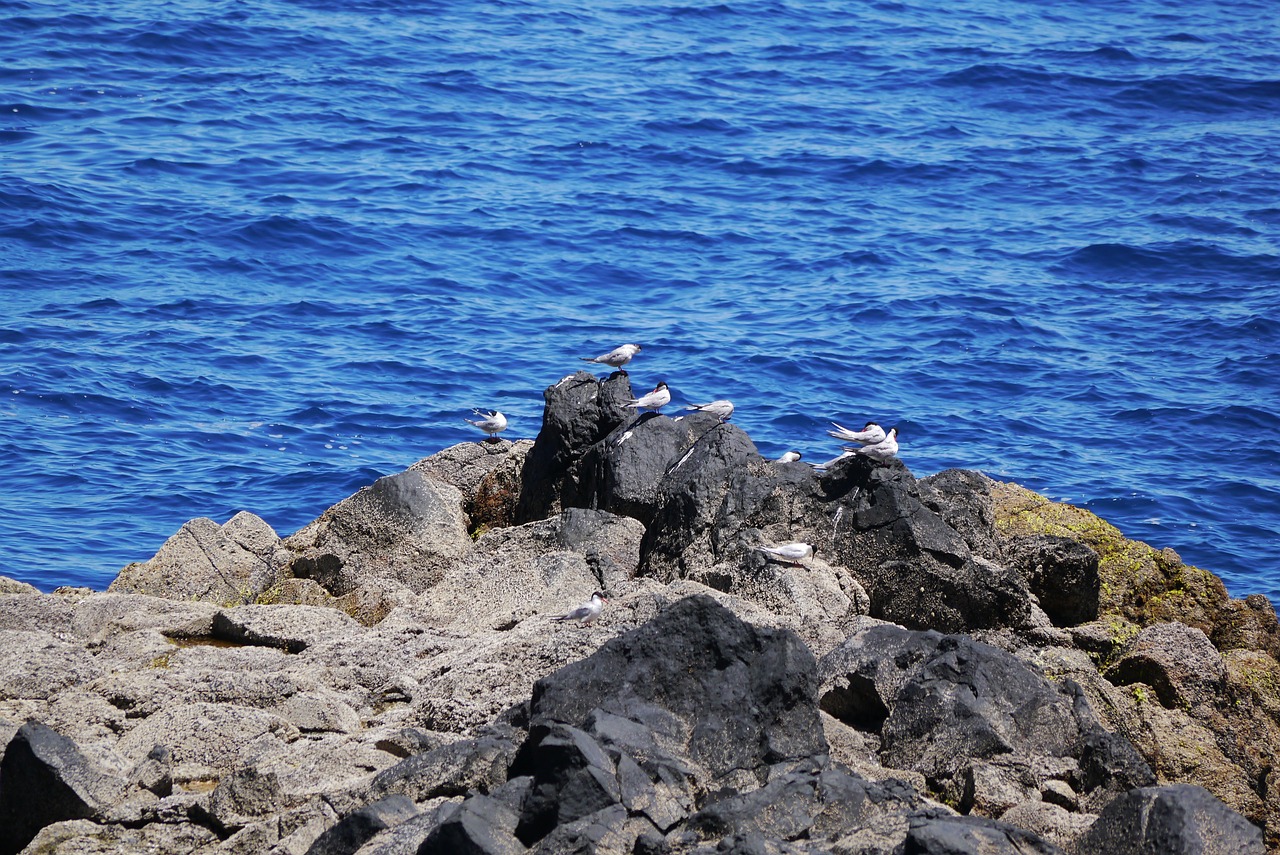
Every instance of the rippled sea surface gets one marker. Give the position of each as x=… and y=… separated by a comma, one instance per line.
x=254, y=255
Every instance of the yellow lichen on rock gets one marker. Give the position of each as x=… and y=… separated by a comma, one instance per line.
x=1140, y=583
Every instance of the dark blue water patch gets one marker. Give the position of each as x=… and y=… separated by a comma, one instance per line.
x=1203, y=225
x=1203, y=94
x=1181, y=260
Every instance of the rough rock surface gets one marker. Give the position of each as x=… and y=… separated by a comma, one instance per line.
x=226, y=564
x=961, y=667
x=403, y=530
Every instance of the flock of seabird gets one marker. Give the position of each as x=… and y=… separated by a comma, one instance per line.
x=873, y=441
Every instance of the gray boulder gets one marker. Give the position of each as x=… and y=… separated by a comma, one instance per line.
x=34, y=664
x=731, y=697
x=13, y=586
x=225, y=564
x=1178, y=661
x=487, y=473
x=45, y=779
x=210, y=736
x=37, y=613
x=402, y=531
x=538, y=567
x=87, y=837
x=1179, y=819
x=105, y=616
x=985, y=730
x=242, y=797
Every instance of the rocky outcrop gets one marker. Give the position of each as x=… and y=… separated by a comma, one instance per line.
x=403, y=530
x=228, y=564
x=961, y=667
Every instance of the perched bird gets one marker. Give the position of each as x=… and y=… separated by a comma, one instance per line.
x=869, y=434
x=491, y=423
x=615, y=358
x=792, y=553
x=789, y=457
x=720, y=409
x=884, y=449
x=655, y=400
x=588, y=611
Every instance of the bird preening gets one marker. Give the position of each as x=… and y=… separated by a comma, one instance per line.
x=883, y=449
x=870, y=433
x=872, y=441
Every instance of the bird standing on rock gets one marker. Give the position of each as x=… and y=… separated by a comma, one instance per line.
x=720, y=409
x=792, y=553
x=615, y=358
x=884, y=449
x=655, y=400
x=587, y=612
x=492, y=423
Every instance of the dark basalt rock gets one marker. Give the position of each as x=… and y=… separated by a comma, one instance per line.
x=481, y=825
x=804, y=803
x=933, y=833
x=728, y=695
x=477, y=764
x=572, y=778
x=1108, y=760
x=357, y=828
x=1061, y=572
x=604, y=832
x=625, y=472
x=963, y=499
x=580, y=410
x=1180, y=819
x=924, y=593
x=886, y=518
x=956, y=710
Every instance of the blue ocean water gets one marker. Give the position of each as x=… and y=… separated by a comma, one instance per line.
x=255, y=255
